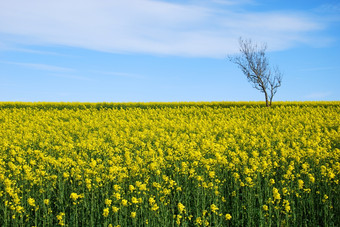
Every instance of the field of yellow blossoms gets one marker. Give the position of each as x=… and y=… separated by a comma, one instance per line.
x=170, y=164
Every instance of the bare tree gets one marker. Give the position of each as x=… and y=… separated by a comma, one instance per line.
x=254, y=64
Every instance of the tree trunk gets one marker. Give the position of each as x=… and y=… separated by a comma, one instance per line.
x=271, y=99
x=266, y=96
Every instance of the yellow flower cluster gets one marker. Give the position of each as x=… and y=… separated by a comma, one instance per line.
x=169, y=164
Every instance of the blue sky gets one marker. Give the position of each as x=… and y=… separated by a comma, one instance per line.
x=158, y=50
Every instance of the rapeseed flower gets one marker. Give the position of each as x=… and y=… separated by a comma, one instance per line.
x=276, y=194
x=60, y=218
x=228, y=217
x=31, y=202
x=47, y=202
x=265, y=207
x=106, y=212
x=115, y=209
x=124, y=202
x=213, y=208
x=181, y=208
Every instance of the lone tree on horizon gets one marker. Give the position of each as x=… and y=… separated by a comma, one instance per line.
x=254, y=64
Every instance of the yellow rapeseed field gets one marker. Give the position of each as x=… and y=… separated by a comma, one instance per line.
x=170, y=164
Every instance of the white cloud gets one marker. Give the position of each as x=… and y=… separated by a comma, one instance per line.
x=149, y=26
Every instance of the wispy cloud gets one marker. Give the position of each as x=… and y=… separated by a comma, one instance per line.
x=329, y=8
x=70, y=76
x=31, y=51
x=318, y=95
x=313, y=69
x=39, y=66
x=150, y=26
x=121, y=74
x=231, y=2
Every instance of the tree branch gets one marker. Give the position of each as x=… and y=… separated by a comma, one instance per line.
x=255, y=66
